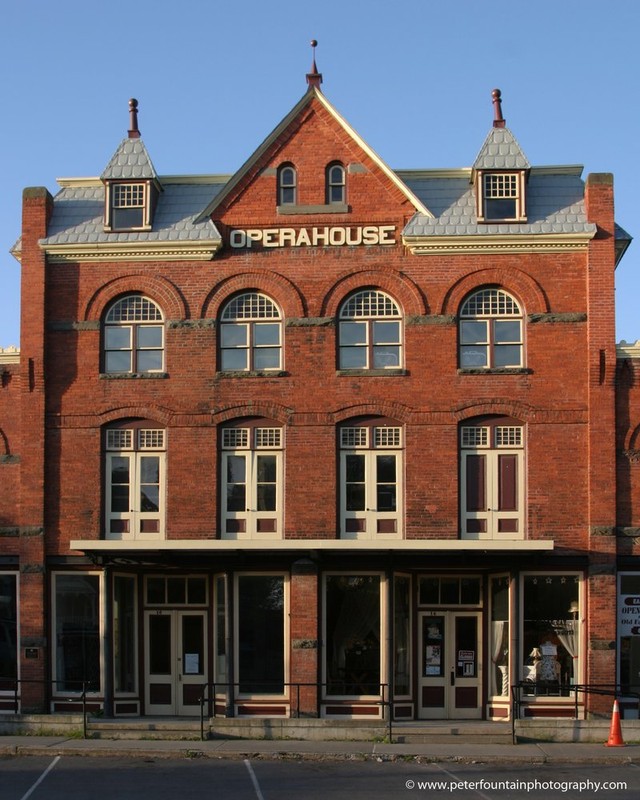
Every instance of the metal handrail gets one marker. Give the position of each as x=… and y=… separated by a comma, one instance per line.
x=615, y=690
x=86, y=687
x=209, y=691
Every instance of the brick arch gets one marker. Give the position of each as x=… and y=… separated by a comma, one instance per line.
x=632, y=438
x=160, y=415
x=526, y=290
x=279, y=288
x=384, y=409
x=501, y=408
x=160, y=290
x=280, y=413
x=394, y=283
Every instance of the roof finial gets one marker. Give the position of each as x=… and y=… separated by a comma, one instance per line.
x=498, y=119
x=314, y=78
x=134, y=133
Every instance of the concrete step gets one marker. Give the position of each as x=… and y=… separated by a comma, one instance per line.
x=461, y=733
x=168, y=729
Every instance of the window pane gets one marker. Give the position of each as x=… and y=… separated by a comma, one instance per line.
x=176, y=591
x=500, y=209
x=402, y=635
x=353, y=634
x=150, y=469
x=120, y=499
x=266, y=333
x=155, y=590
x=473, y=332
x=386, y=332
x=473, y=356
x=261, y=634
x=507, y=330
x=236, y=469
x=197, y=590
x=233, y=335
x=150, y=336
x=117, y=338
x=266, y=469
x=160, y=644
x=355, y=468
x=386, y=497
x=266, y=497
x=149, y=360
x=386, y=356
x=353, y=333
x=118, y=361
x=77, y=629
x=149, y=499
x=353, y=357
x=234, y=359
x=355, y=497
x=266, y=358
x=119, y=469
x=124, y=633
x=507, y=355
x=386, y=468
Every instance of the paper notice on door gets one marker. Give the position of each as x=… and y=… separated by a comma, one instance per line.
x=191, y=663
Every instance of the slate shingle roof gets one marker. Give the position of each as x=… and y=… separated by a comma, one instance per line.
x=131, y=160
x=501, y=151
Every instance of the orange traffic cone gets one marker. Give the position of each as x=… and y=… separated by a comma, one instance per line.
x=615, y=732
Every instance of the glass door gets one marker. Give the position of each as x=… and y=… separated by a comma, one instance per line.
x=175, y=661
x=450, y=665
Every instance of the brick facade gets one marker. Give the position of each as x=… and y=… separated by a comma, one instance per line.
x=581, y=495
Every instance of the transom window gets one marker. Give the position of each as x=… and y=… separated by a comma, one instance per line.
x=135, y=482
x=133, y=336
x=492, y=479
x=371, y=480
x=370, y=332
x=502, y=196
x=127, y=205
x=252, y=481
x=490, y=330
x=336, y=184
x=287, y=185
x=250, y=334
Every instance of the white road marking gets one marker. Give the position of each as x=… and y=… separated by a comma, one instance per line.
x=41, y=778
x=254, y=780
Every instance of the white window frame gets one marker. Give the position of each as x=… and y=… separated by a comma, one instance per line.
x=123, y=195
x=134, y=450
x=490, y=445
x=248, y=312
x=490, y=306
x=285, y=188
x=251, y=444
x=364, y=310
x=336, y=185
x=366, y=441
x=496, y=185
x=134, y=314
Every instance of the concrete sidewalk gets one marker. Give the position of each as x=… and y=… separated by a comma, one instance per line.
x=542, y=752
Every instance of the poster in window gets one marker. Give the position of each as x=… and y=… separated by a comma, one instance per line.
x=433, y=659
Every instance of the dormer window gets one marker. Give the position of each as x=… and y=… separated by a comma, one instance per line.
x=502, y=197
x=128, y=206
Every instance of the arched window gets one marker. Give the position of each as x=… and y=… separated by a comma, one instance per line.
x=250, y=334
x=133, y=336
x=252, y=473
x=287, y=185
x=370, y=332
x=135, y=455
x=370, y=478
x=336, y=184
x=490, y=332
x=492, y=478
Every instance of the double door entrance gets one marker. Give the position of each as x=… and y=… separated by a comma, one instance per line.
x=450, y=681
x=176, y=661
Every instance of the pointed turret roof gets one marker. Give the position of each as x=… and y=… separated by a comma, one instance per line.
x=500, y=149
x=131, y=160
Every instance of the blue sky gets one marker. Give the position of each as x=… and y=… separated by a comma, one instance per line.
x=414, y=79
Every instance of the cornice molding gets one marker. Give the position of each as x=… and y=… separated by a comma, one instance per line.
x=504, y=243
x=132, y=251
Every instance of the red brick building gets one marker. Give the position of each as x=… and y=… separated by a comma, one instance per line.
x=319, y=434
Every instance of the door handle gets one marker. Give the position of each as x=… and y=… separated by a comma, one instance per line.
x=452, y=678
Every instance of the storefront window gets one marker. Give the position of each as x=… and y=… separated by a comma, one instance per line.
x=124, y=633
x=77, y=632
x=8, y=631
x=353, y=634
x=499, y=588
x=629, y=631
x=551, y=620
x=221, y=629
x=261, y=619
x=401, y=636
